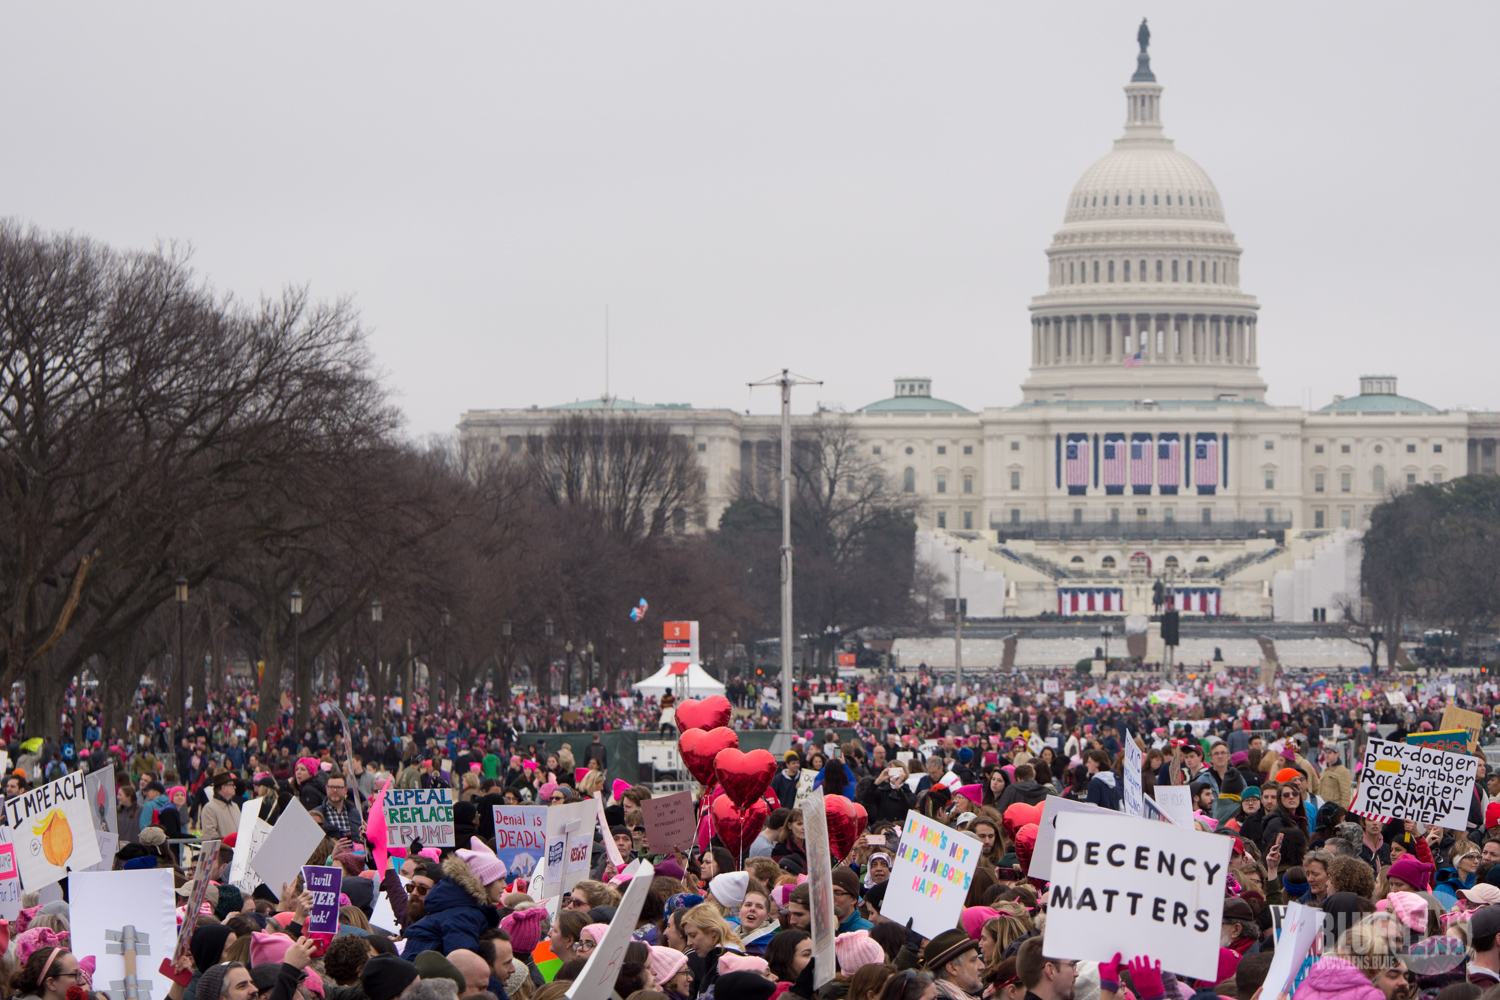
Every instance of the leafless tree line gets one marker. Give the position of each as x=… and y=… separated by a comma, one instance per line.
x=152, y=429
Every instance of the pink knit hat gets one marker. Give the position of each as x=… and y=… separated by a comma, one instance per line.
x=525, y=929
x=482, y=861
x=665, y=962
x=595, y=932
x=1417, y=874
x=782, y=893
x=732, y=962
x=311, y=763
x=619, y=788
x=1408, y=907
x=268, y=947
x=38, y=937
x=973, y=918
x=855, y=950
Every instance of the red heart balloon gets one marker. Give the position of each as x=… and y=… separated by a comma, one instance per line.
x=842, y=825
x=745, y=776
x=861, y=819
x=710, y=713
x=699, y=748
x=1025, y=844
x=737, y=827
x=1019, y=814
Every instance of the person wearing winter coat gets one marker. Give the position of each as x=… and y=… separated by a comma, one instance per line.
x=886, y=796
x=784, y=785
x=1104, y=788
x=221, y=815
x=1228, y=783
x=461, y=906
x=1363, y=966
x=1025, y=789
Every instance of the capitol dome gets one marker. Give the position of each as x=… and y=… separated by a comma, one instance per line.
x=1143, y=298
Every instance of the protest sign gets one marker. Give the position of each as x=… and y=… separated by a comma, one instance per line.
x=1175, y=803
x=208, y=859
x=10, y=883
x=325, y=884
x=825, y=921
x=52, y=830
x=597, y=980
x=1132, y=803
x=930, y=875
x=1046, y=831
x=611, y=848
x=1401, y=781
x=100, y=902
x=1462, y=718
x=1299, y=928
x=424, y=814
x=249, y=816
x=1284, y=701
x=570, y=842
x=286, y=849
x=1137, y=888
x=1070, y=699
x=100, y=788
x=520, y=837
x=109, y=843
x=1452, y=740
x=669, y=822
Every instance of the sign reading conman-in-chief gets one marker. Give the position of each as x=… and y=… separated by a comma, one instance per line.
x=1136, y=887
x=1419, y=783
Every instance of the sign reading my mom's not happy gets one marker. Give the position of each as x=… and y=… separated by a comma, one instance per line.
x=931, y=875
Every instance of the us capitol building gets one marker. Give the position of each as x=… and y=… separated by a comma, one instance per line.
x=1143, y=447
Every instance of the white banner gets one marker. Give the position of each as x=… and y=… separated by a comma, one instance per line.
x=597, y=980
x=570, y=842
x=280, y=857
x=1133, y=801
x=1300, y=926
x=1401, y=781
x=1046, y=831
x=1176, y=803
x=1137, y=888
x=930, y=875
x=825, y=921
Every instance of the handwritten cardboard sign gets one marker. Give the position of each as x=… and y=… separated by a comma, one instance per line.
x=930, y=876
x=520, y=837
x=669, y=822
x=1462, y=718
x=52, y=829
x=1401, y=781
x=825, y=920
x=424, y=814
x=1136, y=887
x=325, y=884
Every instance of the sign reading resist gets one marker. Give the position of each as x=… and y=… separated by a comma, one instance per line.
x=1137, y=888
x=1401, y=781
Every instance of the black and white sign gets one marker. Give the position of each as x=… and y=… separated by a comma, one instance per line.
x=1401, y=781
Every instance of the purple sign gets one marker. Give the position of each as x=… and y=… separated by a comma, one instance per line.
x=325, y=885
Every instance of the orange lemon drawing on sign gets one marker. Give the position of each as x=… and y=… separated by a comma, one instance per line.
x=57, y=837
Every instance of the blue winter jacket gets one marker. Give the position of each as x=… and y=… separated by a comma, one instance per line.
x=457, y=913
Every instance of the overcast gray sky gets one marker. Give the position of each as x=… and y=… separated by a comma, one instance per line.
x=854, y=190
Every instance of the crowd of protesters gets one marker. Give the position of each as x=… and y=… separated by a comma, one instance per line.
x=1407, y=909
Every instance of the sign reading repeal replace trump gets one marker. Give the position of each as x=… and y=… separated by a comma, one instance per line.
x=1136, y=887
x=424, y=814
x=1401, y=781
x=931, y=875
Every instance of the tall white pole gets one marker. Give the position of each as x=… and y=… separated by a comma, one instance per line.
x=785, y=379
x=786, y=551
x=958, y=623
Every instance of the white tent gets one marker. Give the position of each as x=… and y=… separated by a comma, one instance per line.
x=699, y=683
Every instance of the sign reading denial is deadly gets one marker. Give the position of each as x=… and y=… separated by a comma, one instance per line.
x=1136, y=887
x=1401, y=781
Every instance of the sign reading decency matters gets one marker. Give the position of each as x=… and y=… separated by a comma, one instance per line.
x=931, y=874
x=1136, y=887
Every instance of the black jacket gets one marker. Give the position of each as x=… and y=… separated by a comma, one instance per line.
x=1029, y=791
